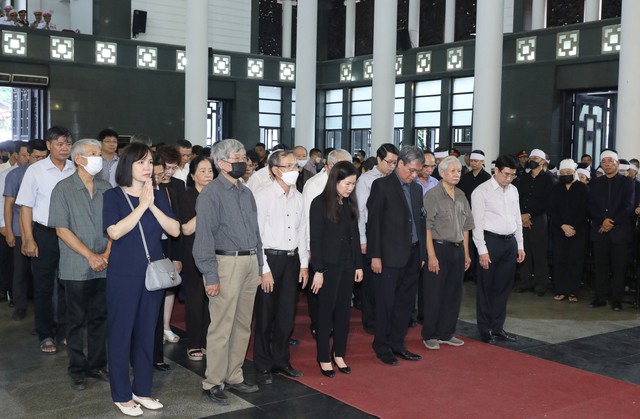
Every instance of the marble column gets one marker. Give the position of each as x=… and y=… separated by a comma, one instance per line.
x=196, y=73
x=592, y=10
x=450, y=21
x=627, y=143
x=538, y=14
x=488, y=77
x=384, y=72
x=414, y=23
x=306, y=43
x=350, y=28
x=287, y=23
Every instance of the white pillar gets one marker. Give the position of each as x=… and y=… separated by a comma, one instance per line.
x=81, y=18
x=538, y=14
x=307, y=38
x=287, y=16
x=414, y=23
x=384, y=72
x=488, y=77
x=350, y=29
x=628, y=82
x=592, y=10
x=196, y=73
x=450, y=21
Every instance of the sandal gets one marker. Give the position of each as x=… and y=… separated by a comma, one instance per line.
x=170, y=337
x=573, y=298
x=559, y=297
x=195, y=354
x=48, y=346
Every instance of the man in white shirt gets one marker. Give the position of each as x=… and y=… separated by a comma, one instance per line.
x=312, y=189
x=109, y=140
x=284, y=242
x=364, y=295
x=39, y=241
x=185, y=149
x=12, y=148
x=498, y=237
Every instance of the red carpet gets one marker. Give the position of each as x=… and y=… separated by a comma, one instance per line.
x=476, y=380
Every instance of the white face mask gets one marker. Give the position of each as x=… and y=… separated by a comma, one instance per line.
x=318, y=159
x=302, y=163
x=290, y=178
x=94, y=164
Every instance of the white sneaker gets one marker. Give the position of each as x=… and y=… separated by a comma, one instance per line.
x=170, y=337
x=148, y=403
x=454, y=341
x=431, y=344
x=129, y=411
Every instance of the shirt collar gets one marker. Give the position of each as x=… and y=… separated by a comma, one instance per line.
x=494, y=183
x=399, y=180
x=228, y=185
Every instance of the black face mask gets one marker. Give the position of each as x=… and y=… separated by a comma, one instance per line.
x=566, y=179
x=319, y=166
x=237, y=169
x=533, y=164
x=5, y=159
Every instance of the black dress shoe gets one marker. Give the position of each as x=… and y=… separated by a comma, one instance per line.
x=597, y=303
x=344, y=370
x=294, y=342
x=78, y=383
x=407, y=356
x=488, y=338
x=289, y=371
x=162, y=367
x=616, y=306
x=504, y=336
x=101, y=375
x=388, y=358
x=327, y=373
x=243, y=387
x=264, y=377
x=216, y=395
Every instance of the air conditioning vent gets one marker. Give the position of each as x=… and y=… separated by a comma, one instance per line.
x=5, y=78
x=29, y=79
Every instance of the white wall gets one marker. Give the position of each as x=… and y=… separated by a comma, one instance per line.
x=229, y=23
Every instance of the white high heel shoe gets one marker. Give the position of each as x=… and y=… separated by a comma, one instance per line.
x=129, y=411
x=148, y=403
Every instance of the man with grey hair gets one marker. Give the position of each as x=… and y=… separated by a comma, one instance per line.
x=228, y=251
x=396, y=235
x=76, y=214
x=312, y=189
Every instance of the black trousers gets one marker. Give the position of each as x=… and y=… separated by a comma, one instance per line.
x=443, y=293
x=21, y=276
x=158, y=335
x=536, y=242
x=568, y=262
x=44, y=269
x=86, y=301
x=610, y=258
x=6, y=270
x=312, y=303
x=395, y=290
x=275, y=314
x=495, y=283
x=196, y=305
x=368, y=296
x=334, y=309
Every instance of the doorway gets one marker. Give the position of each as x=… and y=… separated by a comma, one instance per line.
x=593, y=123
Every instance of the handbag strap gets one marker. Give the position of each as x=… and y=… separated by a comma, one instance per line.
x=144, y=241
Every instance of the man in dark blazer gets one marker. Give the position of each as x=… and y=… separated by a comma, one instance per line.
x=396, y=234
x=611, y=204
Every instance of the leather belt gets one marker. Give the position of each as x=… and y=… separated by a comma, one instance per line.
x=288, y=253
x=448, y=243
x=499, y=236
x=236, y=252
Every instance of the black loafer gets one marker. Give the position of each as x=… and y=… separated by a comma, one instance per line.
x=289, y=371
x=243, y=387
x=504, y=336
x=78, y=383
x=264, y=377
x=388, y=358
x=162, y=367
x=101, y=375
x=407, y=356
x=488, y=338
x=216, y=395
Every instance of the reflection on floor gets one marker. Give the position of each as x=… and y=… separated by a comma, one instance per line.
x=36, y=385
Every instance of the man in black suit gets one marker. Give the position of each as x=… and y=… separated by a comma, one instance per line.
x=611, y=204
x=396, y=234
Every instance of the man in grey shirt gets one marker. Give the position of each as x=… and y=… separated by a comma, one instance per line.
x=228, y=252
x=76, y=214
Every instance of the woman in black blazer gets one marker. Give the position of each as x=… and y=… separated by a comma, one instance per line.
x=337, y=262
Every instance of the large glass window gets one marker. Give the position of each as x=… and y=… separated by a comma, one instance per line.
x=293, y=116
x=427, y=113
x=270, y=114
x=214, y=121
x=21, y=113
x=361, y=119
x=398, y=115
x=333, y=118
x=462, y=110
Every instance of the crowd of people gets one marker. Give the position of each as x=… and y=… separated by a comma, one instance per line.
x=18, y=18
x=394, y=235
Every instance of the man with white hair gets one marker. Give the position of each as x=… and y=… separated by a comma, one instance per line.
x=533, y=190
x=611, y=203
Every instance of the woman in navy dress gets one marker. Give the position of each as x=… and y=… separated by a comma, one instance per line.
x=132, y=309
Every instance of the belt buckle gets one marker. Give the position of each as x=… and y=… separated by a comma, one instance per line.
x=252, y=252
x=291, y=253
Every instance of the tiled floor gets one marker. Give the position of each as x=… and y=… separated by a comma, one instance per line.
x=36, y=385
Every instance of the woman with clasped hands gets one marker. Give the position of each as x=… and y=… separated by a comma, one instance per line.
x=132, y=310
x=337, y=262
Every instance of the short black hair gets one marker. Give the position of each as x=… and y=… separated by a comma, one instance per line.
x=477, y=152
x=260, y=145
x=169, y=154
x=253, y=156
x=316, y=151
x=56, y=132
x=385, y=149
x=429, y=152
x=107, y=132
x=184, y=143
x=131, y=154
x=586, y=155
x=39, y=145
x=506, y=160
x=197, y=150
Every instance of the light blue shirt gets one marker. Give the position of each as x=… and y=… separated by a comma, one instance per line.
x=363, y=190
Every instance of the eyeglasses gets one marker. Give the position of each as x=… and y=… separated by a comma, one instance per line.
x=390, y=162
x=508, y=175
x=413, y=171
